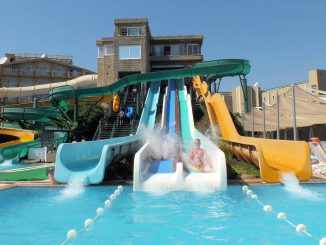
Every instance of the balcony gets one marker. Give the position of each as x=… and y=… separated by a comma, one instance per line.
x=194, y=58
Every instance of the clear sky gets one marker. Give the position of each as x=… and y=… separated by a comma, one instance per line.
x=282, y=39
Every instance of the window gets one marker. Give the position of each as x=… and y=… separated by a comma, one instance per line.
x=11, y=83
x=130, y=31
x=314, y=87
x=108, y=50
x=27, y=70
x=175, y=50
x=73, y=73
x=129, y=52
x=26, y=82
x=12, y=69
x=193, y=49
x=41, y=81
x=42, y=70
x=58, y=71
x=100, y=51
x=158, y=50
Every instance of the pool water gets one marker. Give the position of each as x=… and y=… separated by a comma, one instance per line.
x=42, y=216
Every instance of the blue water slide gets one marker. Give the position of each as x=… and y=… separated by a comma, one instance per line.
x=88, y=160
x=166, y=166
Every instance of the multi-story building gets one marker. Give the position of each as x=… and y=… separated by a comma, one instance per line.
x=316, y=82
x=254, y=98
x=133, y=50
x=19, y=70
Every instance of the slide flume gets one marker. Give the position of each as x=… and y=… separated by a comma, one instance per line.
x=273, y=157
x=88, y=160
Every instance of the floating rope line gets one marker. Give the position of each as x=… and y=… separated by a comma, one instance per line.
x=71, y=234
x=301, y=228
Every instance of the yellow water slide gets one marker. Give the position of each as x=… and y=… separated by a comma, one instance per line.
x=273, y=157
x=13, y=136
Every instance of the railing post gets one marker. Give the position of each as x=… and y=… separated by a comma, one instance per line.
x=277, y=116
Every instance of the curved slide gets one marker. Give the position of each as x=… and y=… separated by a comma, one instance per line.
x=79, y=82
x=88, y=160
x=273, y=157
x=14, y=143
x=159, y=175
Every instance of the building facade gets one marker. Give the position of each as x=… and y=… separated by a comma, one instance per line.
x=20, y=70
x=315, y=85
x=254, y=98
x=134, y=50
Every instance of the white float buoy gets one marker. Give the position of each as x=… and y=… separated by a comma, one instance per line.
x=71, y=234
x=107, y=203
x=116, y=192
x=244, y=188
x=88, y=222
x=120, y=188
x=301, y=228
x=112, y=197
x=100, y=211
x=281, y=216
x=249, y=192
x=268, y=208
x=322, y=241
x=254, y=196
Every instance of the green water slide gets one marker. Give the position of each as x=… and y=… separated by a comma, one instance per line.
x=221, y=68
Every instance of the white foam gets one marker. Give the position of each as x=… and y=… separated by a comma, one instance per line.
x=292, y=185
x=74, y=189
x=7, y=163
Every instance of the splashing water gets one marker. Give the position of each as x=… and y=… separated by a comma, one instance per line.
x=7, y=163
x=214, y=134
x=292, y=185
x=74, y=189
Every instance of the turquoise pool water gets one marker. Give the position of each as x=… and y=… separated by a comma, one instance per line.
x=40, y=216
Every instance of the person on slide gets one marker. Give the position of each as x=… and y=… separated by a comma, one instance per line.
x=198, y=158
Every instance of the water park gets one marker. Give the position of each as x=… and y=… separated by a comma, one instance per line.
x=158, y=158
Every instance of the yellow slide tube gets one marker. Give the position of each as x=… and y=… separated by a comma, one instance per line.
x=21, y=134
x=273, y=157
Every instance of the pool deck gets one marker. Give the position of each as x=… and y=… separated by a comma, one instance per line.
x=244, y=181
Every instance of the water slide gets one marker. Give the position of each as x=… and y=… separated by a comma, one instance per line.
x=88, y=160
x=71, y=158
x=273, y=157
x=43, y=89
x=14, y=143
x=152, y=173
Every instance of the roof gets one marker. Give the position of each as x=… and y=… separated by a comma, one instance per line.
x=131, y=20
x=67, y=59
x=47, y=60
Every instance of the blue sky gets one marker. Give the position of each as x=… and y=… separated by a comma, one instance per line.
x=282, y=39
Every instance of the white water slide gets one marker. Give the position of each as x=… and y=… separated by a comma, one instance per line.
x=43, y=89
x=151, y=173
x=318, y=149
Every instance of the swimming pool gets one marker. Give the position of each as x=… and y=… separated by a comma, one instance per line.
x=38, y=215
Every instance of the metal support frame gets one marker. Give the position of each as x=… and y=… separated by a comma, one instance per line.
x=243, y=83
x=264, y=120
x=277, y=116
x=294, y=114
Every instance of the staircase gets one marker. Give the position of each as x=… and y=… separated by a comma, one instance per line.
x=109, y=128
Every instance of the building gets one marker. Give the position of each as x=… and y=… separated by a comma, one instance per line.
x=315, y=85
x=254, y=98
x=227, y=96
x=134, y=50
x=19, y=70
